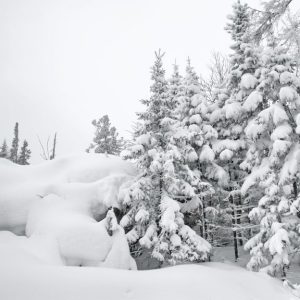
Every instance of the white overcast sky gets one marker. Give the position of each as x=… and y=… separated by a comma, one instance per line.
x=64, y=63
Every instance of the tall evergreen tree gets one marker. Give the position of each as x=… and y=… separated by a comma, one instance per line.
x=273, y=158
x=194, y=137
x=106, y=138
x=25, y=154
x=4, y=150
x=15, y=145
x=229, y=113
x=155, y=210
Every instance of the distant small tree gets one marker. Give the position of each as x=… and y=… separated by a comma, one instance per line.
x=106, y=138
x=4, y=150
x=15, y=145
x=24, y=154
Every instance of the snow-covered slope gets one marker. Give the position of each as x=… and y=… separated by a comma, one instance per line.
x=205, y=281
x=25, y=274
x=22, y=186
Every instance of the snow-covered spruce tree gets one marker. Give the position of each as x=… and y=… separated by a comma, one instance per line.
x=106, y=138
x=154, y=212
x=193, y=136
x=25, y=154
x=4, y=150
x=15, y=145
x=274, y=161
x=229, y=114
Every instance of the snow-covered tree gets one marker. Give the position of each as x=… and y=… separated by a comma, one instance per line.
x=231, y=111
x=15, y=145
x=265, y=21
x=106, y=138
x=25, y=154
x=154, y=201
x=193, y=135
x=278, y=19
x=273, y=160
x=228, y=114
x=4, y=150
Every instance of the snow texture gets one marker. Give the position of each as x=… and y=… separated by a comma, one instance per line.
x=287, y=94
x=252, y=102
x=248, y=81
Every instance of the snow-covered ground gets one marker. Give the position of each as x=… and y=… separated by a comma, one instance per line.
x=23, y=277
x=226, y=255
x=63, y=207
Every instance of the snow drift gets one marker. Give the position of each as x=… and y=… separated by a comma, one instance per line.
x=205, y=281
x=22, y=186
x=63, y=205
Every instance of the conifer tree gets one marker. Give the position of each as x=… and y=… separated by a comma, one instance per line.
x=273, y=158
x=155, y=211
x=229, y=114
x=106, y=138
x=4, y=150
x=15, y=145
x=194, y=136
x=25, y=154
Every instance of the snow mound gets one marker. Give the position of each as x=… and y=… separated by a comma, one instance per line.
x=22, y=186
x=64, y=205
x=37, y=250
x=81, y=240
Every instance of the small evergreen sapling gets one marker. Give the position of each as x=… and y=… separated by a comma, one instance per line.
x=4, y=150
x=15, y=145
x=25, y=154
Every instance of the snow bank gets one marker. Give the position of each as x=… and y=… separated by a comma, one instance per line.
x=206, y=281
x=60, y=203
x=22, y=186
x=81, y=240
x=23, y=251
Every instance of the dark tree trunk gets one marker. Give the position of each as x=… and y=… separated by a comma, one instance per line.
x=235, y=243
x=238, y=219
x=295, y=189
